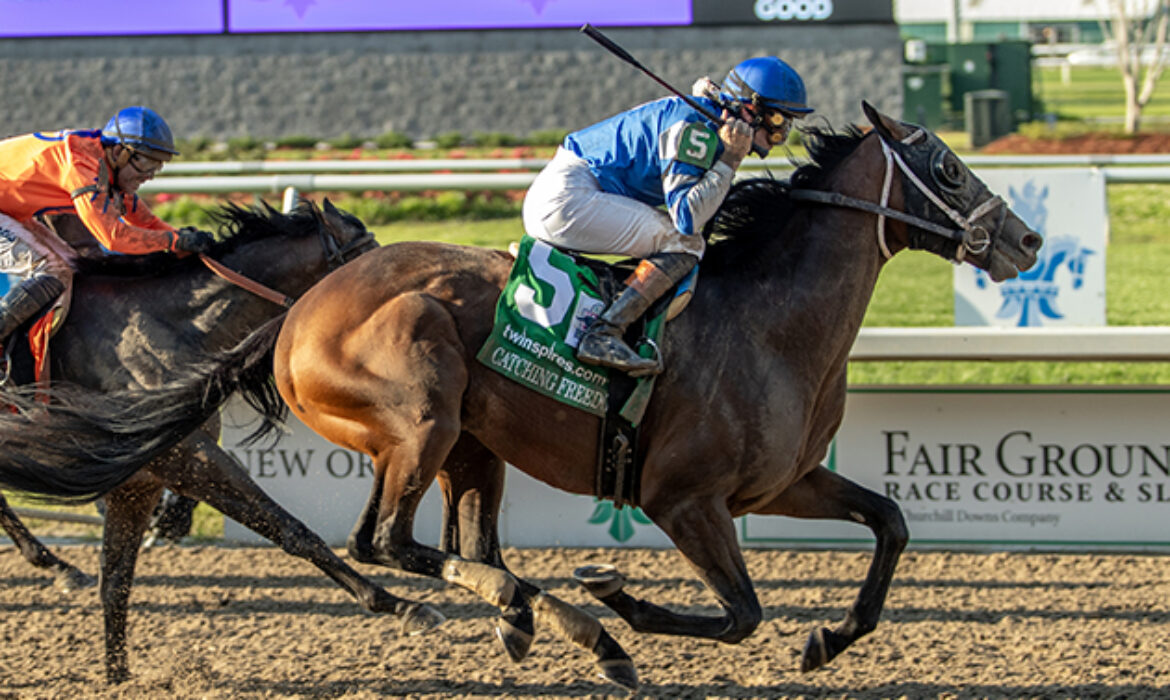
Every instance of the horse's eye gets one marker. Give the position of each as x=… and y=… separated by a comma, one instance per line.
x=949, y=171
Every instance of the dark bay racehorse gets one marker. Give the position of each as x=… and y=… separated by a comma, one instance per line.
x=133, y=331
x=380, y=357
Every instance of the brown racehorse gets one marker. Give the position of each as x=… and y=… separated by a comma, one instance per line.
x=380, y=357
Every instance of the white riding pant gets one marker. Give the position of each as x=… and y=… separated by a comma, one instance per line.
x=566, y=207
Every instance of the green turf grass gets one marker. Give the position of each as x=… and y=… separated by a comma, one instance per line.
x=1093, y=93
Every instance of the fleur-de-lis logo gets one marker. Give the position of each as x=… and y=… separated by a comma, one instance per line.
x=1031, y=297
x=621, y=520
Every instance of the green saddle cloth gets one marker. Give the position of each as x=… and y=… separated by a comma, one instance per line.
x=545, y=307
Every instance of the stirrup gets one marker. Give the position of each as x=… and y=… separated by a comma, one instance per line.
x=608, y=351
x=659, y=365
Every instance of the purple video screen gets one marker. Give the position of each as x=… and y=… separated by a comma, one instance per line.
x=383, y=15
x=27, y=18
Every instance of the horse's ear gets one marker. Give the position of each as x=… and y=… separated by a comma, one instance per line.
x=329, y=208
x=314, y=209
x=890, y=129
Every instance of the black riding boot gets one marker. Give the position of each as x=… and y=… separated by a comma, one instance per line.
x=602, y=343
x=23, y=301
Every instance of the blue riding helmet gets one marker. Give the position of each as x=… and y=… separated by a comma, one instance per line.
x=141, y=129
x=769, y=82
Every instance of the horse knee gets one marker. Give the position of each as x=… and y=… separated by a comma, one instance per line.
x=893, y=524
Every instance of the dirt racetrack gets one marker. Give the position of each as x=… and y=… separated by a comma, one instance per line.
x=217, y=622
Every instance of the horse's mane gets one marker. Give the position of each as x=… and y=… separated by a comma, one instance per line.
x=758, y=209
x=236, y=225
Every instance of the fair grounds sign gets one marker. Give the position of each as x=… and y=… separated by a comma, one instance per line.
x=970, y=467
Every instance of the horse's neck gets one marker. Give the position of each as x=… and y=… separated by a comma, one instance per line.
x=226, y=312
x=825, y=297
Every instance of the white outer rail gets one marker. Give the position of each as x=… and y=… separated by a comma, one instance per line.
x=407, y=182
x=434, y=165
x=984, y=343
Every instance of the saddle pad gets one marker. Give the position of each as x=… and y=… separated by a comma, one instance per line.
x=544, y=309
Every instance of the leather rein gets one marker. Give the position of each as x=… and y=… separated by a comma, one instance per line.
x=970, y=237
x=335, y=255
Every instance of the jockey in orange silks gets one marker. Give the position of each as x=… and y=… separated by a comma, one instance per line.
x=95, y=175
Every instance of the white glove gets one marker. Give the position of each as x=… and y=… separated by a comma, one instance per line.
x=705, y=87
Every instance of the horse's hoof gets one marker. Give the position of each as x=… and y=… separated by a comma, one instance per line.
x=421, y=618
x=117, y=675
x=516, y=630
x=601, y=580
x=619, y=671
x=72, y=580
x=822, y=646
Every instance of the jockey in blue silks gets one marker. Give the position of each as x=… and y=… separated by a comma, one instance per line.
x=603, y=190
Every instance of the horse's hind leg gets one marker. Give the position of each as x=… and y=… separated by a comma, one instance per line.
x=384, y=533
x=824, y=494
x=400, y=403
x=67, y=577
x=472, y=480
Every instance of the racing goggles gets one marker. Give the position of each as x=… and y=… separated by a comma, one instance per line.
x=144, y=164
x=777, y=124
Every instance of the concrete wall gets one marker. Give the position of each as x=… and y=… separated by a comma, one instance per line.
x=420, y=83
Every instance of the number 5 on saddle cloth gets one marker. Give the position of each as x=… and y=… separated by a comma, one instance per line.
x=549, y=300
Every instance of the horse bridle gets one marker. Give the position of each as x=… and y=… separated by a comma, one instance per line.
x=969, y=237
x=335, y=256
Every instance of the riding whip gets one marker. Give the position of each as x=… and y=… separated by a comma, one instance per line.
x=593, y=33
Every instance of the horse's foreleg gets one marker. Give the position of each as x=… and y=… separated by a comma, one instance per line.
x=472, y=481
x=128, y=510
x=211, y=475
x=67, y=577
x=825, y=494
x=705, y=535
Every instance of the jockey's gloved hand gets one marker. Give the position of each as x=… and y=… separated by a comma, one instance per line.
x=737, y=136
x=192, y=240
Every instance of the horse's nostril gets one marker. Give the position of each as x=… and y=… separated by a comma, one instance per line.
x=1032, y=242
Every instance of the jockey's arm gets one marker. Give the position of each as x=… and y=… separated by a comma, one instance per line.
x=138, y=214
x=137, y=234
x=695, y=178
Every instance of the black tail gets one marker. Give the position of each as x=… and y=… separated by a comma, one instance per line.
x=83, y=443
